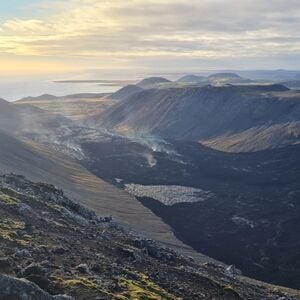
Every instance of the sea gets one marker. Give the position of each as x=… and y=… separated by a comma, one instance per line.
x=12, y=89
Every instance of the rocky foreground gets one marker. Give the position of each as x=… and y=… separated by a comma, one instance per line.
x=53, y=248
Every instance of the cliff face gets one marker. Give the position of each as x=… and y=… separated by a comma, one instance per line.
x=231, y=118
x=55, y=246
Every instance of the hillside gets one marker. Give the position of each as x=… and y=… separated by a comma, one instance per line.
x=25, y=119
x=75, y=107
x=227, y=78
x=39, y=162
x=217, y=79
x=292, y=84
x=230, y=118
x=43, y=147
x=7, y=115
x=239, y=208
x=152, y=82
x=39, y=98
x=166, y=185
x=90, y=257
x=126, y=92
x=191, y=78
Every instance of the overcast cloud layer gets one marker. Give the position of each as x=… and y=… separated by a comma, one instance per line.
x=172, y=34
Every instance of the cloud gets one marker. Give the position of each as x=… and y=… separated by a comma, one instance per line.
x=129, y=30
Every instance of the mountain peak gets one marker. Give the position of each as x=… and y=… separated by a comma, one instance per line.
x=223, y=75
x=4, y=102
x=152, y=82
x=191, y=78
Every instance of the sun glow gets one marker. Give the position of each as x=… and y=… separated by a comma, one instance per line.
x=92, y=33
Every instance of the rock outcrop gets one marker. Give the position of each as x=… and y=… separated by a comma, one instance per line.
x=47, y=253
x=22, y=289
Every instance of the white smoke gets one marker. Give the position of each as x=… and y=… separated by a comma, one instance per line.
x=150, y=159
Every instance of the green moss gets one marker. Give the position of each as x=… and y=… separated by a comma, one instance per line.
x=81, y=287
x=9, y=227
x=81, y=282
x=144, y=289
x=8, y=200
x=229, y=288
x=8, y=231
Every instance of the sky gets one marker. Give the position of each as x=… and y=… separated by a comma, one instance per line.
x=79, y=36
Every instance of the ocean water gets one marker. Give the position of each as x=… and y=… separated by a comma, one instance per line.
x=15, y=88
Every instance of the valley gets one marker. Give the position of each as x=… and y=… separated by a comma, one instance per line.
x=149, y=150
x=223, y=193
x=250, y=200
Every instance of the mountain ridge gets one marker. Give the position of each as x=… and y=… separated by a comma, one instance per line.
x=209, y=115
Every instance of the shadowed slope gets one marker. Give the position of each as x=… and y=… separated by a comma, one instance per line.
x=126, y=92
x=75, y=107
x=39, y=163
x=229, y=118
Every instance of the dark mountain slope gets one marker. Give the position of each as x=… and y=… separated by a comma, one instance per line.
x=222, y=75
x=292, y=84
x=215, y=79
x=244, y=211
x=126, y=92
x=75, y=107
x=191, y=79
x=7, y=116
x=227, y=78
x=152, y=82
x=40, y=147
x=48, y=97
x=40, y=98
x=229, y=118
x=58, y=247
x=27, y=119
x=38, y=162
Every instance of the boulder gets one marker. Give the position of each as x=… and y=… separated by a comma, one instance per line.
x=83, y=268
x=24, y=209
x=126, y=252
x=36, y=273
x=22, y=253
x=232, y=271
x=34, y=269
x=59, y=250
x=97, y=268
x=6, y=264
